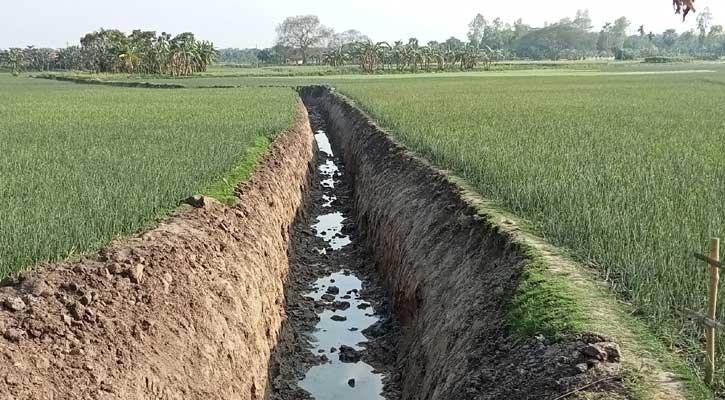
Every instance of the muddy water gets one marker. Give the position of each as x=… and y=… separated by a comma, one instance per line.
x=337, y=379
x=344, y=314
x=340, y=339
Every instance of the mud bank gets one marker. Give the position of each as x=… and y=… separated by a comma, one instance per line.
x=188, y=310
x=451, y=275
x=95, y=81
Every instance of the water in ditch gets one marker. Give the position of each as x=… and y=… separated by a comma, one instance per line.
x=340, y=339
x=343, y=314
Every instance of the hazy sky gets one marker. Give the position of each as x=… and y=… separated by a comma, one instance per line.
x=245, y=23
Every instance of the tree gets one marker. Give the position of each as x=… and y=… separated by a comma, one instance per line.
x=302, y=32
x=612, y=36
x=582, y=20
x=476, y=29
x=619, y=32
x=704, y=19
x=453, y=43
x=370, y=54
x=347, y=37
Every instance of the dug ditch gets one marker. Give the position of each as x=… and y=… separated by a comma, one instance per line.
x=356, y=271
x=340, y=339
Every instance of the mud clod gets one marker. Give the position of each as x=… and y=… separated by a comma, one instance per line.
x=349, y=355
x=328, y=297
x=135, y=273
x=14, y=304
x=77, y=310
x=14, y=334
x=36, y=287
x=340, y=305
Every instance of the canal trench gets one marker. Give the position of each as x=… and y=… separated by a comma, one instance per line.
x=340, y=338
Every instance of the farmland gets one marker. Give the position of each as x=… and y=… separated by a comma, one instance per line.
x=618, y=165
x=83, y=164
x=625, y=172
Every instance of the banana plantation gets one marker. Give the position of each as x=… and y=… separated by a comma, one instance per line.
x=112, y=51
x=412, y=57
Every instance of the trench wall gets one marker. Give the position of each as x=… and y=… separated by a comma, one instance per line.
x=448, y=270
x=188, y=310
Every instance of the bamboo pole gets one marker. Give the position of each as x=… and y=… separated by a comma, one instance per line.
x=711, y=309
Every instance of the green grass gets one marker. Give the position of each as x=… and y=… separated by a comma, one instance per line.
x=222, y=189
x=82, y=164
x=545, y=305
x=315, y=75
x=624, y=171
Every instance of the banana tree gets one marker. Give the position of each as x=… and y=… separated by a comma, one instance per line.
x=336, y=57
x=370, y=54
x=15, y=59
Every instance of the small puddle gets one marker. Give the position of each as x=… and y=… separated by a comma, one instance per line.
x=323, y=143
x=329, y=228
x=328, y=200
x=328, y=169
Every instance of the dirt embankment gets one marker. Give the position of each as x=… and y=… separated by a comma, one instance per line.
x=451, y=274
x=95, y=81
x=188, y=310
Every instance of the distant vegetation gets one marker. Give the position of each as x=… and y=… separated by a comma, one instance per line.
x=305, y=40
x=141, y=52
x=567, y=39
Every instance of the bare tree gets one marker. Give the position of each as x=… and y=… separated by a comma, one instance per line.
x=302, y=32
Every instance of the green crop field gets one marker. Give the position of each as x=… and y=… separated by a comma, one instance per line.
x=81, y=164
x=627, y=172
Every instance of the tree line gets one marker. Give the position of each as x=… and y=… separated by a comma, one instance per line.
x=304, y=40
x=140, y=52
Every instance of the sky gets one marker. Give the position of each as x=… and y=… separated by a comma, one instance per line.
x=244, y=23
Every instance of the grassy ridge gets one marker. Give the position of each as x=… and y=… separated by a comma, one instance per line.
x=626, y=172
x=81, y=164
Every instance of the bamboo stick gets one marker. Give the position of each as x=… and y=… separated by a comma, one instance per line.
x=711, y=309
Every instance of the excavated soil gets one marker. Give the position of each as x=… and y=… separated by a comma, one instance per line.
x=188, y=310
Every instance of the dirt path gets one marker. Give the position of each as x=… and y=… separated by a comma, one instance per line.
x=339, y=326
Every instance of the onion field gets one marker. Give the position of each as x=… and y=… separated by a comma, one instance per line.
x=82, y=164
x=625, y=172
